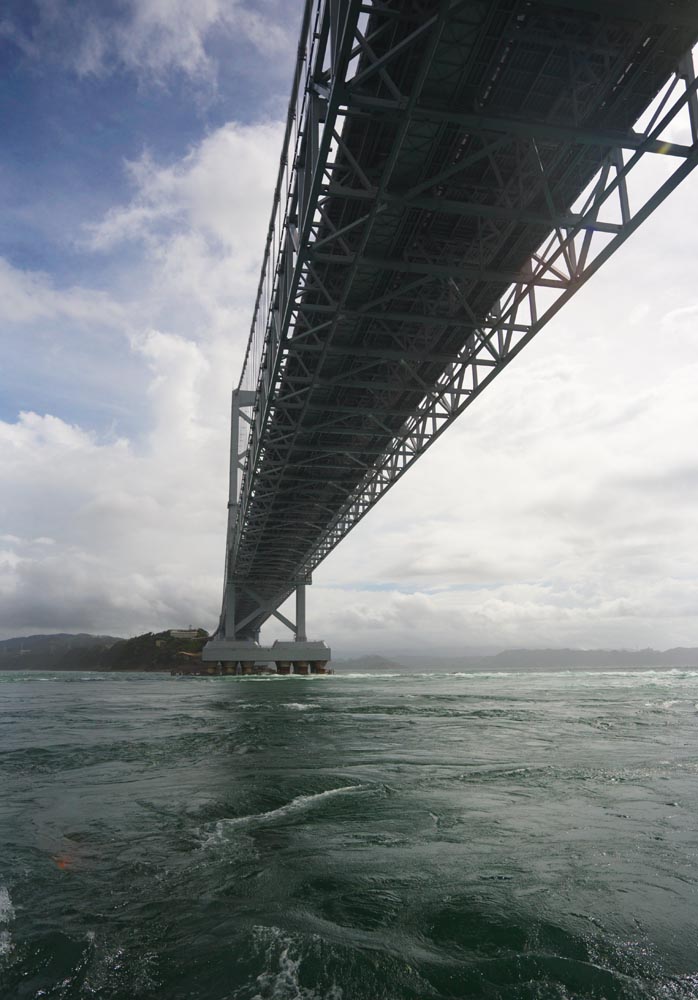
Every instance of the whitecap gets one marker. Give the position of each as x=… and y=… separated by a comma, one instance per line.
x=7, y=910
x=280, y=980
x=7, y=913
x=216, y=835
x=283, y=982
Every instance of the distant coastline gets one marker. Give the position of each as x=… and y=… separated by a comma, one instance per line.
x=540, y=660
x=152, y=651
x=163, y=651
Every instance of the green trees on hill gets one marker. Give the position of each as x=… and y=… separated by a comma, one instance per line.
x=151, y=651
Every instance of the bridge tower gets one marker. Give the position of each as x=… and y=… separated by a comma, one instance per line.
x=237, y=638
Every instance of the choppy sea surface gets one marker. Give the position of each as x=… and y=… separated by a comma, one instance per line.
x=387, y=837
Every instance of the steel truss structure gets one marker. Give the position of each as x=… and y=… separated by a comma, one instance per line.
x=453, y=172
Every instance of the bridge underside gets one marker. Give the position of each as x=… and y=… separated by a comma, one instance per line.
x=456, y=171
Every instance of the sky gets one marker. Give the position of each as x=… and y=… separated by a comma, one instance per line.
x=140, y=149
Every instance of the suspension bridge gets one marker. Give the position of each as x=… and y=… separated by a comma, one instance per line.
x=452, y=172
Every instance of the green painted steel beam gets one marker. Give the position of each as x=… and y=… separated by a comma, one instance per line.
x=662, y=12
x=454, y=270
x=369, y=411
x=378, y=353
x=521, y=127
x=473, y=209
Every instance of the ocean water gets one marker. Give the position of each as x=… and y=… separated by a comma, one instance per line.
x=373, y=837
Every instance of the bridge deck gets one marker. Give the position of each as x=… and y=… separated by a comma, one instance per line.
x=460, y=137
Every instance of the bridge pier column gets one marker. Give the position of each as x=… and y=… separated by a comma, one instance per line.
x=241, y=400
x=300, y=613
x=237, y=644
x=229, y=612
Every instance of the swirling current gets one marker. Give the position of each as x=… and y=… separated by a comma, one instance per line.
x=352, y=837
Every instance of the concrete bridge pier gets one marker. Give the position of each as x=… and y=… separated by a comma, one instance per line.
x=300, y=613
x=242, y=653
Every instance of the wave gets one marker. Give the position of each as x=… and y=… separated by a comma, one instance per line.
x=615, y=676
x=7, y=910
x=66, y=676
x=299, y=804
x=634, y=674
x=7, y=913
x=280, y=979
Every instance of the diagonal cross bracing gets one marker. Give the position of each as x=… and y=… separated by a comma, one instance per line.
x=452, y=173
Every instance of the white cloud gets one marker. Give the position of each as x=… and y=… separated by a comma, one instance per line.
x=137, y=521
x=217, y=193
x=129, y=530
x=152, y=38
x=200, y=224
x=27, y=296
x=535, y=614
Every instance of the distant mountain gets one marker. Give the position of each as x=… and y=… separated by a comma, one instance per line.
x=61, y=651
x=162, y=651
x=152, y=651
x=560, y=659
x=557, y=659
x=361, y=663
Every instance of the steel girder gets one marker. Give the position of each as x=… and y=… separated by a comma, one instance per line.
x=452, y=173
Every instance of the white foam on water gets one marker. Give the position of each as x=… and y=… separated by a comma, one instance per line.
x=7, y=912
x=342, y=675
x=297, y=706
x=281, y=979
x=218, y=834
x=283, y=983
x=280, y=678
